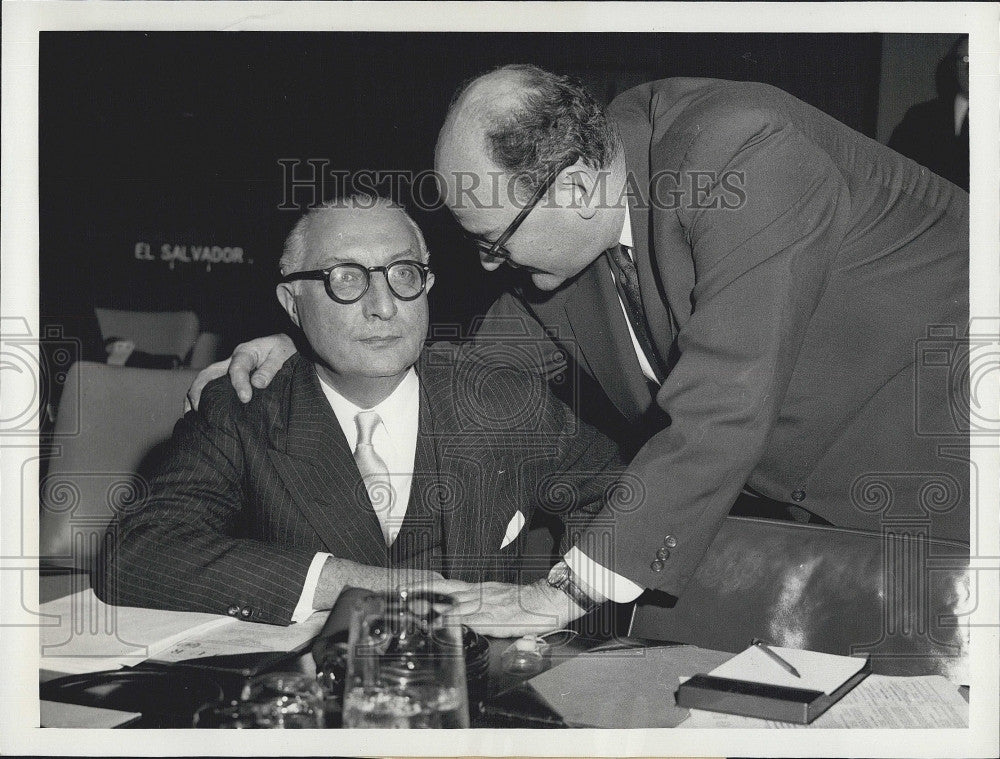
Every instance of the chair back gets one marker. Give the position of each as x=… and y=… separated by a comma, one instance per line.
x=897, y=596
x=205, y=350
x=167, y=333
x=109, y=428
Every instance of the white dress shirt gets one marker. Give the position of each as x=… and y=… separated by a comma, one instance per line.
x=395, y=441
x=598, y=577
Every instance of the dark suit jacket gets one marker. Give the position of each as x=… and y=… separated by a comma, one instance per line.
x=795, y=324
x=927, y=135
x=249, y=493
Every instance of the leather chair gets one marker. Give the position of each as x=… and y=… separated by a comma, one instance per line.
x=110, y=424
x=166, y=333
x=205, y=350
x=897, y=596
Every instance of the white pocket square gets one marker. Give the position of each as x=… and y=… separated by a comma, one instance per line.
x=513, y=529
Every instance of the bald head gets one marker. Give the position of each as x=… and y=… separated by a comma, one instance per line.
x=521, y=134
x=523, y=121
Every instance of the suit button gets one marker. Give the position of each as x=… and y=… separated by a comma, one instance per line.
x=798, y=495
x=232, y=611
x=670, y=541
x=656, y=566
x=663, y=553
x=245, y=612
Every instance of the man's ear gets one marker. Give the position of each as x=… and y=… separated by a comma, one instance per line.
x=430, y=282
x=582, y=187
x=286, y=297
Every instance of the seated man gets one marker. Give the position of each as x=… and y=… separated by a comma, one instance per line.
x=368, y=462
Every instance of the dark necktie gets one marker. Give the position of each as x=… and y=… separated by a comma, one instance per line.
x=627, y=279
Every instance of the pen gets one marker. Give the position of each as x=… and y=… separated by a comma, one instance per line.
x=774, y=657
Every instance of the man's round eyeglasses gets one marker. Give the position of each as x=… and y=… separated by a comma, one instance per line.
x=495, y=248
x=348, y=283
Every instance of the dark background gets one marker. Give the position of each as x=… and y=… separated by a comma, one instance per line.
x=175, y=138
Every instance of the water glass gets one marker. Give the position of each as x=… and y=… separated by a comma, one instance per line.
x=405, y=663
x=279, y=700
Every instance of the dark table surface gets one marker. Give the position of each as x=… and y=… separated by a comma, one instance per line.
x=59, y=584
x=53, y=586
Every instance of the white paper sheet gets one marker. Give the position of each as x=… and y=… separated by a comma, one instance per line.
x=821, y=672
x=244, y=639
x=89, y=635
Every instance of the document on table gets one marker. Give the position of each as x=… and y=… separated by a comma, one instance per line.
x=90, y=635
x=879, y=701
x=244, y=639
x=820, y=672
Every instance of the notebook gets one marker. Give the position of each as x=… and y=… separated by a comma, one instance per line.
x=755, y=684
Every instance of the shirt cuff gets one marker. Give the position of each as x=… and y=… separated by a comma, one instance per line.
x=601, y=579
x=304, y=608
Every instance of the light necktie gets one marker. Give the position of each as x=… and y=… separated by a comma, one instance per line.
x=627, y=279
x=374, y=472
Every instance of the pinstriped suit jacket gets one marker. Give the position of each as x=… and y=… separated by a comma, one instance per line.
x=249, y=493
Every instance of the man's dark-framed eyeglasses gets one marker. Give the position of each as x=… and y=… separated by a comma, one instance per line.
x=495, y=248
x=348, y=283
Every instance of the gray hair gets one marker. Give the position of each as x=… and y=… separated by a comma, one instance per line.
x=551, y=121
x=295, y=244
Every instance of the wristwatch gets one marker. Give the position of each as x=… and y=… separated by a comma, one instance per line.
x=561, y=577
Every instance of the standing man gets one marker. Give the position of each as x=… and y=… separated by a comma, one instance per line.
x=745, y=279
x=935, y=133
x=769, y=277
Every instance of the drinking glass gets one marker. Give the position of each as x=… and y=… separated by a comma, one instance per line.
x=279, y=700
x=405, y=663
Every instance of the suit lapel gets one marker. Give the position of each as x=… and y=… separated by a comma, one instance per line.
x=659, y=317
x=313, y=460
x=471, y=488
x=636, y=139
x=601, y=330
x=420, y=533
x=441, y=480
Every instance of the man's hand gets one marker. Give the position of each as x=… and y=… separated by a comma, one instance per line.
x=507, y=611
x=253, y=364
x=340, y=573
x=206, y=375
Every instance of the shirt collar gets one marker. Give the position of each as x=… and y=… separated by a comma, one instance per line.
x=625, y=238
x=398, y=411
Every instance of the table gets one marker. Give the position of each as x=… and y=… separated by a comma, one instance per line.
x=53, y=586
x=150, y=698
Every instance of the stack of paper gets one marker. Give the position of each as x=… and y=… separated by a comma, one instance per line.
x=86, y=635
